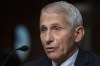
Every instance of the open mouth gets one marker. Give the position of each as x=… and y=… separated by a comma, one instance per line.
x=50, y=49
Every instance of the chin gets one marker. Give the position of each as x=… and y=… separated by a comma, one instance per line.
x=53, y=56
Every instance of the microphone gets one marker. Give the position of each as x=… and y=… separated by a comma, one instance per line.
x=23, y=48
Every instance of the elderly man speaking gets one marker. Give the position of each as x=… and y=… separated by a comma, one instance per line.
x=61, y=30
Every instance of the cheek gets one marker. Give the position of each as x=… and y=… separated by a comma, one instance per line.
x=62, y=46
x=42, y=40
x=42, y=37
x=65, y=43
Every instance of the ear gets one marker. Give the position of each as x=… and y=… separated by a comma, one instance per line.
x=79, y=33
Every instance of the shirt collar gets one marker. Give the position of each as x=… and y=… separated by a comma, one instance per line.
x=68, y=62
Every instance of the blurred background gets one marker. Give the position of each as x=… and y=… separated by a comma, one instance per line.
x=19, y=25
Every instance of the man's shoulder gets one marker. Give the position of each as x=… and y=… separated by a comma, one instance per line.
x=39, y=62
x=88, y=58
x=95, y=59
x=92, y=56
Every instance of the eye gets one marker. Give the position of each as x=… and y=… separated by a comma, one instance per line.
x=56, y=28
x=43, y=28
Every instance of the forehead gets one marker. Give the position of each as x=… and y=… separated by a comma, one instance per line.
x=50, y=18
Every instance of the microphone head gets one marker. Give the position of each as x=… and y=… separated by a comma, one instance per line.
x=23, y=48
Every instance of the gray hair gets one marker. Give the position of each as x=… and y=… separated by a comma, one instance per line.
x=71, y=13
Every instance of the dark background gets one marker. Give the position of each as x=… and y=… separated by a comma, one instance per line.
x=14, y=12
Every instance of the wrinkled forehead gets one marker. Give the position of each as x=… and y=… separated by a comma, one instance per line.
x=53, y=19
x=49, y=18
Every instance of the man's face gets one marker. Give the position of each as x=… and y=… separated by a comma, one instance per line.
x=56, y=35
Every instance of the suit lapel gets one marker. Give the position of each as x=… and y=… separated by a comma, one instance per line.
x=82, y=59
x=48, y=62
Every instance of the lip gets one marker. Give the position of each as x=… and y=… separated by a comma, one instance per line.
x=50, y=49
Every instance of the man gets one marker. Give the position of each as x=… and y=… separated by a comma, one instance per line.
x=61, y=30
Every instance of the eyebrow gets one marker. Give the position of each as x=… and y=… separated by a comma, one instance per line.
x=42, y=26
x=55, y=24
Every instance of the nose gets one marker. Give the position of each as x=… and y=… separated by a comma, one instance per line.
x=49, y=37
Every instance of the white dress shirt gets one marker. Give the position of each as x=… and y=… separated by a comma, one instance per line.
x=68, y=62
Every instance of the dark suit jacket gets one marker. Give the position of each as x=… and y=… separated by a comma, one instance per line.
x=84, y=58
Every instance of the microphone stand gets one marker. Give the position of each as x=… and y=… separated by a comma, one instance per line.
x=23, y=48
x=8, y=57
